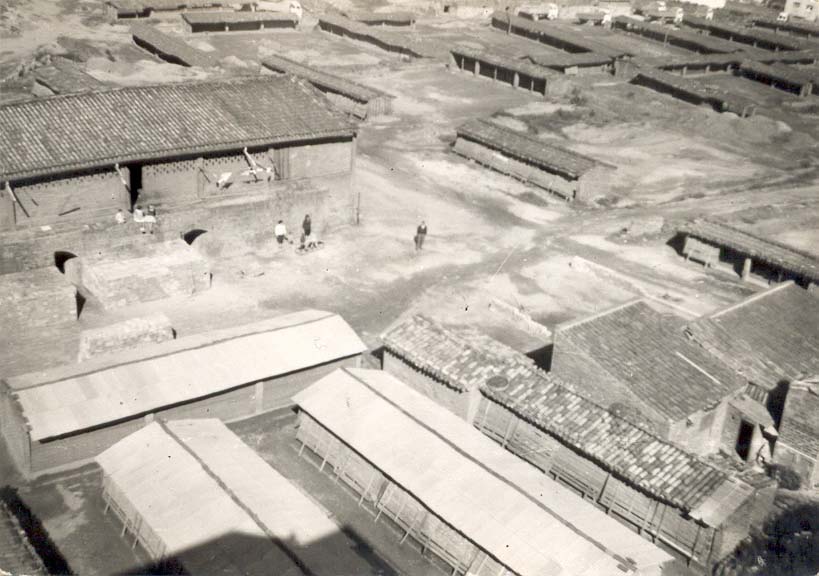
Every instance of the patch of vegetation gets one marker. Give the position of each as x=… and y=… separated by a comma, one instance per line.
x=788, y=545
x=785, y=476
x=577, y=98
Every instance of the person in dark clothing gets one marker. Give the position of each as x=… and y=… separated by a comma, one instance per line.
x=307, y=225
x=420, y=235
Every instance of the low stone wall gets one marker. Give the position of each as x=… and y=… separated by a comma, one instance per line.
x=124, y=336
x=162, y=270
x=36, y=298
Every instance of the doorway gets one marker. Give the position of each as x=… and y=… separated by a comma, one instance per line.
x=744, y=437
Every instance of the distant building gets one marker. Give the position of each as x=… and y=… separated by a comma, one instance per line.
x=197, y=499
x=697, y=508
x=798, y=443
x=453, y=491
x=62, y=418
x=715, y=243
x=558, y=170
x=805, y=9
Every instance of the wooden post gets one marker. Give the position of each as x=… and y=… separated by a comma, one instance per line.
x=7, y=214
x=516, y=80
x=746, y=268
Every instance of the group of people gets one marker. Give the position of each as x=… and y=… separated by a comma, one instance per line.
x=145, y=218
x=307, y=239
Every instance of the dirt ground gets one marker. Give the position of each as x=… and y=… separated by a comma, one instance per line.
x=501, y=256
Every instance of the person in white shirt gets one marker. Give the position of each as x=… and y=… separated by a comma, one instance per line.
x=281, y=232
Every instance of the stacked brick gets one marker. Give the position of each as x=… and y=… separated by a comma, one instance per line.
x=36, y=299
x=124, y=336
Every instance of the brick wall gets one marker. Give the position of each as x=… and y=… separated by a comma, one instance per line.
x=736, y=527
x=13, y=429
x=462, y=404
x=69, y=198
x=164, y=269
x=124, y=336
x=36, y=298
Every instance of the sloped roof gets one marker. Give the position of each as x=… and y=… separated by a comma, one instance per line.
x=777, y=71
x=769, y=337
x=564, y=59
x=284, y=512
x=369, y=18
x=63, y=76
x=168, y=45
x=226, y=17
x=799, y=428
x=747, y=34
x=551, y=30
x=638, y=457
x=188, y=509
x=73, y=398
x=649, y=354
x=525, y=147
x=323, y=80
x=471, y=482
x=701, y=41
x=78, y=131
x=723, y=100
x=785, y=257
x=514, y=64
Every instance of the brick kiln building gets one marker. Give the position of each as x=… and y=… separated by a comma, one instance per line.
x=698, y=509
x=563, y=172
x=165, y=145
x=798, y=444
x=63, y=417
x=457, y=494
x=238, y=516
x=714, y=243
x=634, y=359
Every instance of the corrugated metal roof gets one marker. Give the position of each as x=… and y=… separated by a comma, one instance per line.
x=187, y=509
x=65, y=401
x=527, y=148
x=785, y=257
x=638, y=457
x=471, y=482
x=62, y=133
x=650, y=356
x=278, y=506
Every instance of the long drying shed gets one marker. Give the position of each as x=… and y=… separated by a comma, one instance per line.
x=516, y=73
x=712, y=242
x=558, y=170
x=223, y=21
x=356, y=99
x=459, y=495
x=238, y=515
x=66, y=416
x=663, y=492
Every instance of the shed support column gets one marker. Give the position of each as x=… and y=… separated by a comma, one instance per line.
x=746, y=268
x=477, y=69
x=516, y=80
x=7, y=214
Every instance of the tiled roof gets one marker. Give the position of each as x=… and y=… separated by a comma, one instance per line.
x=170, y=47
x=777, y=72
x=73, y=132
x=548, y=32
x=723, y=101
x=700, y=41
x=747, y=34
x=17, y=555
x=785, y=257
x=800, y=419
x=446, y=355
x=323, y=80
x=464, y=361
x=771, y=336
x=649, y=354
x=225, y=17
x=525, y=147
x=65, y=77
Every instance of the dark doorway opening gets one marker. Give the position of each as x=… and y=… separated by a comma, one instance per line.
x=743, y=446
x=60, y=258
x=192, y=235
x=135, y=184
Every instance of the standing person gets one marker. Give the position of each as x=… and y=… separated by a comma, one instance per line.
x=420, y=235
x=307, y=225
x=281, y=232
